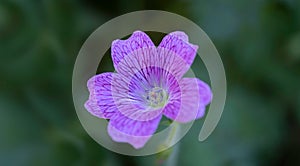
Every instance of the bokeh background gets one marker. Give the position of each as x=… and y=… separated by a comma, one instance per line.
x=259, y=43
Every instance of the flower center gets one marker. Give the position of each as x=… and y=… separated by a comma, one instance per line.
x=157, y=97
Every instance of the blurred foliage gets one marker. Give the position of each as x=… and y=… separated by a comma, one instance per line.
x=259, y=42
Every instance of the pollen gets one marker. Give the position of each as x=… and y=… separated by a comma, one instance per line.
x=156, y=97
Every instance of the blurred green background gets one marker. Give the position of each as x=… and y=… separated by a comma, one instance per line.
x=259, y=42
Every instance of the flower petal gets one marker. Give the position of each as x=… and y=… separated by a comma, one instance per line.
x=176, y=44
x=205, y=93
x=136, y=133
x=122, y=48
x=181, y=35
x=138, y=52
x=189, y=102
x=100, y=102
x=205, y=97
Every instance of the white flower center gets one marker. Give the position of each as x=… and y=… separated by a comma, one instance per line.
x=157, y=97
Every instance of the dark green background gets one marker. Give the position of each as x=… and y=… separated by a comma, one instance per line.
x=259, y=43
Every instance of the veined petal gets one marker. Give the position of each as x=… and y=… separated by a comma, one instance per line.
x=130, y=58
x=205, y=93
x=100, y=102
x=176, y=44
x=181, y=35
x=136, y=133
x=189, y=102
x=205, y=97
x=122, y=48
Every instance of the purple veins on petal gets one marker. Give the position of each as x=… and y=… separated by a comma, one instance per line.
x=100, y=102
x=177, y=42
x=123, y=48
x=188, y=103
x=184, y=104
x=137, y=133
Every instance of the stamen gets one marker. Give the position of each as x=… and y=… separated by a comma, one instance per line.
x=156, y=97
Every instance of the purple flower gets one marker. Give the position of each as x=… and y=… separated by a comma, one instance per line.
x=147, y=84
